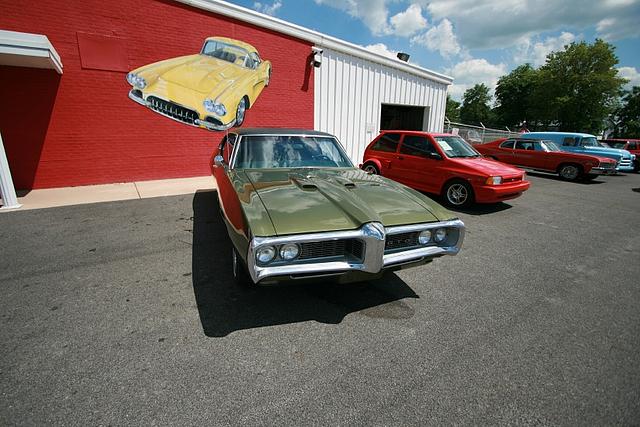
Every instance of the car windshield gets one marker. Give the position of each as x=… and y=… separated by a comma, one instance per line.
x=290, y=151
x=589, y=141
x=226, y=52
x=614, y=144
x=454, y=146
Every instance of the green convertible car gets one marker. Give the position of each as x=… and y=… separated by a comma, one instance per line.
x=296, y=208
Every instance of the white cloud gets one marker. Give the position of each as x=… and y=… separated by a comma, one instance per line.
x=536, y=52
x=504, y=23
x=382, y=49
x=474, y=71
x=266, y=8
x=409, y=22
x=440, y=38
x=620, y=27
x=373, y=13
x=631, y=74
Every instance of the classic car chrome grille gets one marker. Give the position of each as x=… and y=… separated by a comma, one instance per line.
x=346, y=248
x=172, y=110
x=401, y=241
x=607, y=165
x=625, y=163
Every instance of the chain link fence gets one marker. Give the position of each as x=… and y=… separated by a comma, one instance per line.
x=477, y=134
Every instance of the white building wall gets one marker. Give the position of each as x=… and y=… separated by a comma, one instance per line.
x=349, y=92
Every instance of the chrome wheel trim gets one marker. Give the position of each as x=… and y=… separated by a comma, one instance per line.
x=457, y=194
x=371, y=169
x=569, y=172
x=242, y=107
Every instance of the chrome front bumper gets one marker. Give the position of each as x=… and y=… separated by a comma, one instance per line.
x=602, y=171
x=375, y=258
x=198, y=122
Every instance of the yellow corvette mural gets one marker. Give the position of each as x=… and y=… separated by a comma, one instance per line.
x=212, y=89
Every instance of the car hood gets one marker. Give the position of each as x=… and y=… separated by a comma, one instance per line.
x=487, y=167
x=312, y=200
x=603, y=151
x=202, y=74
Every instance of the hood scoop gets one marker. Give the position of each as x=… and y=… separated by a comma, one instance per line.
x=303, y=182
x=347, y=183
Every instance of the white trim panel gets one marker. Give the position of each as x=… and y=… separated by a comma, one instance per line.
x=28, y=50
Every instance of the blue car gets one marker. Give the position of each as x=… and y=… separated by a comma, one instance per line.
x=585, y=143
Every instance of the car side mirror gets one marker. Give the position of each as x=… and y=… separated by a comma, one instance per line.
x=435, y=156
x=218, y=160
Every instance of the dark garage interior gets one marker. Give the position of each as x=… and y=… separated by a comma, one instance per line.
x=402, y=117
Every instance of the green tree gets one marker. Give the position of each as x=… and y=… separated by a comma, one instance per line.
x=628, y=116
x=452, y=111
x=475, y=107
x=514, y=96
x=577, y=88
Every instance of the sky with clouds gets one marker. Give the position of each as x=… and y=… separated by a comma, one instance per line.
x=474, y=41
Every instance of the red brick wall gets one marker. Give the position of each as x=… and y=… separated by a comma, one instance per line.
x=80, y=128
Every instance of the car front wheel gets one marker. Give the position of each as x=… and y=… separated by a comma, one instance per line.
x=371, y=169
x=458, y=194
x=241, y=110
x=569, y=172
x=240, y=274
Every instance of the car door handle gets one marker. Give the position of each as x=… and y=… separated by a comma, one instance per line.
x=400, y=157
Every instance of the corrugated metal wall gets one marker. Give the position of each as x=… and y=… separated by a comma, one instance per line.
x=349, y=92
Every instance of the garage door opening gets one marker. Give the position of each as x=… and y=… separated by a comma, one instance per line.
x=403, y=117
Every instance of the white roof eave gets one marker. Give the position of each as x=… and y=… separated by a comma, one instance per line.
x=318, y=39
x=28, y=50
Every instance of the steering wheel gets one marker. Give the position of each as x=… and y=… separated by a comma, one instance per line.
x=323, y=158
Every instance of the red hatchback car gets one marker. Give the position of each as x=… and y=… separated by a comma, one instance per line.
x=443, y=164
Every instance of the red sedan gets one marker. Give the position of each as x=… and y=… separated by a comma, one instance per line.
x=545, y=156
x=443, y=164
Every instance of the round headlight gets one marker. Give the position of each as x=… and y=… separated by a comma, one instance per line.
x=289, y=251
x=140, y=82
x=424, y=237
x=440, y=234
x=131, y=78
x=265, y=254
x=214, y=107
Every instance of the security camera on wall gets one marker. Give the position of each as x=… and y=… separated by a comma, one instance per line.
x=317, y=57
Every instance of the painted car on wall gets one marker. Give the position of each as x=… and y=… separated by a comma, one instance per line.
x=296, y=208
x=445, y=165
x=545, y=156
x=584, y=143
x=212, y=89
x=629, y=144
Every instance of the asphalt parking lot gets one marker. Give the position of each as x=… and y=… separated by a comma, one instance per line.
x=125, y=313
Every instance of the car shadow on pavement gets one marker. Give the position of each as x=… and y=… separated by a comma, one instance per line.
x=225, y=307
x=557, y=178
x=475, y=209
x=482, y=209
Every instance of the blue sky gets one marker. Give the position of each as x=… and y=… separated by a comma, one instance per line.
x=475, y=41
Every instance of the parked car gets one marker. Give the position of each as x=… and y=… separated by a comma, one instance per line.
x=472, y=136
x=445, y=165
x=547, y=157
x=297, y=208
x=584, y=143
x=212, y=89
x=631, y=145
